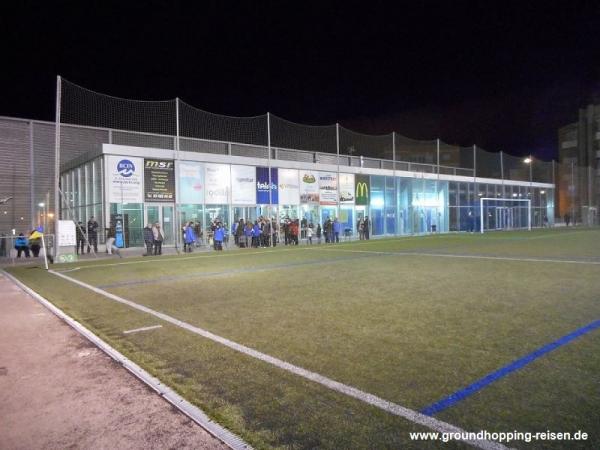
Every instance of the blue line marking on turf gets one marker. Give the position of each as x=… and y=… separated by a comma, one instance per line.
x=447, y=402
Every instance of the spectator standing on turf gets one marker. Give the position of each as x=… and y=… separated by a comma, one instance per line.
x=22, y=246
x=35, y=242
x=266, y=232
x=248, y=234
x=294, y=232
x=239, y=234
x=234, y=226
x=337, y=228
x=92, y=234
x=148, y=239
x=309, y=234
x=256, y=234
x=319, y=233
x=366, y=227
x=198, y=233
x=274, y=232
x=360, y=227
x=189, y=238
x=158, y=238
x=218, y=237
x=567, y=219
x=79, y=236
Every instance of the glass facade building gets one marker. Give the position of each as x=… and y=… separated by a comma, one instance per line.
x=148, y=185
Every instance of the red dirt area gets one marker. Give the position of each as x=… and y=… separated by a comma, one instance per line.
x=58, y=391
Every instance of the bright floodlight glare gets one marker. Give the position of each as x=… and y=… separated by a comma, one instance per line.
x=41, y=205
x=542, y=192
x=527, y=160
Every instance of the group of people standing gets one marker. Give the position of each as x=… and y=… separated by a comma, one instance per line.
x=255, y=235
x=363, y=226
x=30, y=245
x=90, y=235
x=153, y=238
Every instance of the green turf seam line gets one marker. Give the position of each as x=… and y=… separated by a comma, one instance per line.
x=393, y=408
x=193, y=412
x=449, y=255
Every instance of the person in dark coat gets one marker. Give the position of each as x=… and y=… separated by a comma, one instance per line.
x=80, y=237
x=367, y=228
x=92, y=231
x=148, y=239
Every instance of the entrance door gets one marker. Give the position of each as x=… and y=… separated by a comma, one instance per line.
x=163, y=214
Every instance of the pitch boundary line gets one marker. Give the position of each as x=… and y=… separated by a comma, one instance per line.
x=373, y=400
x=193, y=412
x=448, y=255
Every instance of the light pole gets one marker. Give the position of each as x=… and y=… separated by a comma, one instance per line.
x=42, y=206
x=529, y=161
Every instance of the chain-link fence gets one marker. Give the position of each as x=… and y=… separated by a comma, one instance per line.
x=174, y=124
x=87, y=120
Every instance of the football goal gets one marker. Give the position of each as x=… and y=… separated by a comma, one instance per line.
x=505, y=214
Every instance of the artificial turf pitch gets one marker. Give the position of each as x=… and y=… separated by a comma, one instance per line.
x=410, y=320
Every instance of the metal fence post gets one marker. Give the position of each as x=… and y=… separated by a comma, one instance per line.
x=337, y=147
x=57, y=162
x=270, y=207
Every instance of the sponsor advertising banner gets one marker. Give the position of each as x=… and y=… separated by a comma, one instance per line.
x=347, y=188
x=289, y=187
x=262, y=186
x=309, y=186
x=217, y=184
x=159, y=180
x=363, y=189
x=124, y=179
x=191, y=182
x=66, y=233
x=243, y=185
x=328, y=188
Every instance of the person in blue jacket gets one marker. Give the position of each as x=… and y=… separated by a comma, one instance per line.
x=21, y=245
x=256, y=234
x=337, y=229
x=218, y=236
x=189, y=237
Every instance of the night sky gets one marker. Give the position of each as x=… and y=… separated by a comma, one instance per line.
x=503, y=76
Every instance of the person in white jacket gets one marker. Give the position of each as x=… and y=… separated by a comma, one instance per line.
x=159, y=237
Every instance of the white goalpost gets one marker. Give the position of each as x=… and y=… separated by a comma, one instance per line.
x=504, y=214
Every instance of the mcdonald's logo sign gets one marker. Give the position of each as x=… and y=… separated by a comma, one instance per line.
x=362, y=190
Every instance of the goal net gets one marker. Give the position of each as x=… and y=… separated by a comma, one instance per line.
x=505, y=214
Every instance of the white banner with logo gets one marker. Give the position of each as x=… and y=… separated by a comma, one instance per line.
x=309, y=186
x=328, y=188
x=289, y=187
x=243, y=185
x=124, y=177
x=346, y=188
x=217, y=182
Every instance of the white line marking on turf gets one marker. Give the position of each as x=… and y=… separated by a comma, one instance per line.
x=136, y=330
x=393, y=408
x=193, y=412
x=450, y=255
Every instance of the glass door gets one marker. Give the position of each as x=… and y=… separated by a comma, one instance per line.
x=163, y=214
